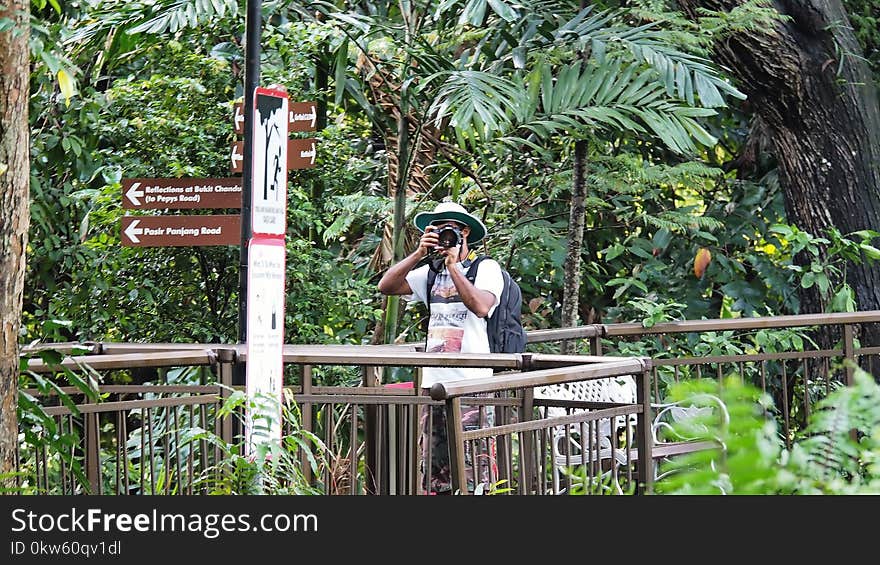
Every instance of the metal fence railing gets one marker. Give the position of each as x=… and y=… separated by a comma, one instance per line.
x=795, y=359
x=172, y=435
x=174, y=438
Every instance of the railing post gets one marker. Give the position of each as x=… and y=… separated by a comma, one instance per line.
x=372, y=437
x=849, y=353
x=93, y=452
x=596, y=340
x=643, y=432
x=306, y=412
x=528, y=414
x=528, y=443
x=226, y=366
x=456, y=445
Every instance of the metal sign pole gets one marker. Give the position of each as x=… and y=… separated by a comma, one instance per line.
x=251, y=82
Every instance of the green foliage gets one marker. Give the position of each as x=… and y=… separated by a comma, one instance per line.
x=864, y=15
x=43, y=437
x=271, y=467
x=328, y=301
x=186, y=99
x=823, y=262
x=746, y=461
x=836, y=454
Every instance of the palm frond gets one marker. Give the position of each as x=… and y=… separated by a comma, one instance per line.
x=681, y=221
x=154, y=17
x=477, y=104
x=179, y=14
x=686, y=76
x=612, y=96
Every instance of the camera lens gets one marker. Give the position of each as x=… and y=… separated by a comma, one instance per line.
x=449, y=237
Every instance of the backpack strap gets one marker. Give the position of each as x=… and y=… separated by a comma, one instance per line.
x=434, y=267
x=432, y=275
x=471, y=274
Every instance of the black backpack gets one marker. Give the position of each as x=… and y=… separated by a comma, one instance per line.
x=504, y=326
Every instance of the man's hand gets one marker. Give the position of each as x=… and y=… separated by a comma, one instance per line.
x=450, y=256
x=429, y=241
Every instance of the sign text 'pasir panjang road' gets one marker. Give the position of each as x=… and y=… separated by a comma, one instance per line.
x=180, y=231
x=181, y=193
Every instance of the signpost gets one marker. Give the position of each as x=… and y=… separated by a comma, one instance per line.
x=180, y=231
x=264, y=157
x=236, y=157
x=303, y=116
x=266, y=266
x=181, y=193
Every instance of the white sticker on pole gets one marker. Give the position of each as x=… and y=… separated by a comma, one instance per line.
x=265, y=340
x=269, y=158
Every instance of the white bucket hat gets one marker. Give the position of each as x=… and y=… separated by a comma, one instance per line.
x=456, y=213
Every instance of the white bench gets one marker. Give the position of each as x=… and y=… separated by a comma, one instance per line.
x=566, y=442
x=669, y=427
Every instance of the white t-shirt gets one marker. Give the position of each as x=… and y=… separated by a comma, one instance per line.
x=452, y=327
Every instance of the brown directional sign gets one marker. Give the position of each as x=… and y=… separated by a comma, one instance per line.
x=238, y=118
x=301, y=154
x=180, y=231
x=181, y=194
x=302, y=116
x=236, y=157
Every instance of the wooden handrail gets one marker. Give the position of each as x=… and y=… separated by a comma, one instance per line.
x=727, y=324
x=558, y=375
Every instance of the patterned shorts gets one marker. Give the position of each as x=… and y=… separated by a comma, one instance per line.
x=440, y=479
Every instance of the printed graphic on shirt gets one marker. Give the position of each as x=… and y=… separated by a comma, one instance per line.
x=448, y=313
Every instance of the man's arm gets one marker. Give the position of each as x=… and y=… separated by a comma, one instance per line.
x=394, y=279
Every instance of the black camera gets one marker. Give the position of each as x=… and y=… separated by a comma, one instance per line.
x=449, y=237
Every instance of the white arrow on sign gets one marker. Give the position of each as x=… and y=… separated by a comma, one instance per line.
x=312, y=117
x=236, y=156
x=239, y=117
x=310, y=153
x=132, y=231
x=133, y=194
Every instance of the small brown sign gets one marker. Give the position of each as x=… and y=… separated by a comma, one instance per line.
x=180, y=231
x=236, y=157
x=301, y=153
x=302, y=116
x=238, y=118
x=181, y=194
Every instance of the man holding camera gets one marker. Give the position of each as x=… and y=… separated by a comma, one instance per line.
x=458, y=310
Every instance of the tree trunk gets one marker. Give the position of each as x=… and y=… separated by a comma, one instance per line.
x=14, y=217
x=571, y=285
x=809, y=84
